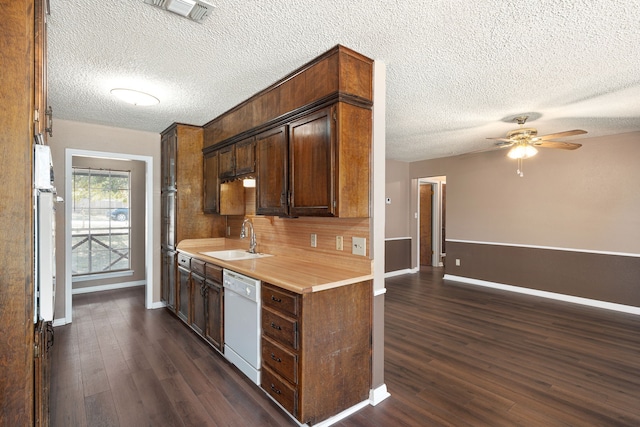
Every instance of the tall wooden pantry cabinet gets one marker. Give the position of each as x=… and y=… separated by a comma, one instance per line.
x=23, y=364
x=182, y=207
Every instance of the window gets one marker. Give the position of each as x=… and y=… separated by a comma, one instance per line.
x=101, y=234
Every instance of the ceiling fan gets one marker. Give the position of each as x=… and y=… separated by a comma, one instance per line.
x=524, y=142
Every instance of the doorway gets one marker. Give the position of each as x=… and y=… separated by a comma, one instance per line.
x=148, y=221
x=431, y=221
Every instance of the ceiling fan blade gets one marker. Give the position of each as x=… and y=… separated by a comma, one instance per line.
x=558, y=144
x=502, y=139
x=497, y=146
x=504, y=143
x=559, y=135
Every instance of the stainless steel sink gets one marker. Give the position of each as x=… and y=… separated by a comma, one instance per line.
x=234, y=255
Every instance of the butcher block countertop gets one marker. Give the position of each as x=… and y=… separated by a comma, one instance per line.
x=286, y=272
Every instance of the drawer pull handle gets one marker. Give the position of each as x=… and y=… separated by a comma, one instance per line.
x=274, y=389
x=274, y=326
x=273, y=298
x=277, y=359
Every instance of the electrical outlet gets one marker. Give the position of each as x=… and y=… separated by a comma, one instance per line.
x=457, y=262
x=314, y=240
x=359, y=246
x=228, y=231
x=339, y=243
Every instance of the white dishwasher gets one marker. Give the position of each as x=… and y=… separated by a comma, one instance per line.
x=242, y=323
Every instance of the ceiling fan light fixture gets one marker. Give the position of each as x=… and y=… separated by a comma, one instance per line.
x=135, y=97
x=522, y=151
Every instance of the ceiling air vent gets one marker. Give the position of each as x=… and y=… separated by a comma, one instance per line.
x=196, y=10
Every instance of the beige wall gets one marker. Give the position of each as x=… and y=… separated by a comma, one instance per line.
x=570, y=226
x=398, y=216
x=98, y=138
x=585, y=199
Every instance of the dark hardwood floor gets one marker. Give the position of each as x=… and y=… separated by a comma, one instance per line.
x=455, y=355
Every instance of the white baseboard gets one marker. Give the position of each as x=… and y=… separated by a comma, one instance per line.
x=111, y=287
x=544, y=294
x=158, y=304
x=398, y=273
x=342, y=415
x=378, y=394
x=331, y=420
x=59, y=322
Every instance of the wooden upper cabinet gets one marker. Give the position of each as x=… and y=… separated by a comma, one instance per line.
x=245, y=157
x=272, y=166
x=226, y=160
x=237, y=159
x=311, y=175
x=338, y=74
x=169, y=143
x=211, y=183
x=307, y=139
x=43, y=120
x=317, y=165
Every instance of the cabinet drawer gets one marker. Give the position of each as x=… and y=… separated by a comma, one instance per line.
x=281, y=329
x=286, y=395
x=184, y=261
x=197, y=266
x=280, y=300
x=213, y=272
x=280, y=360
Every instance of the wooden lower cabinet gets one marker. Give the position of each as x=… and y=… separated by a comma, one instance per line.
x=184, y=294
x=201, y=298
x=42, y=372
x=214, y=306
x=316, y=349
x=198, y=318
x=168, y=291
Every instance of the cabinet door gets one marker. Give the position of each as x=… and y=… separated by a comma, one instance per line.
x=168, y=279
x=211, y=183
x=214, y=331
x=226, y=162
x=168, y=225
x=184, y=293
x=245, y=156
x=198, y=309
x=311, y=163
x=42, y=372
x=169, y=143
x=43, y=119
x=271, y=180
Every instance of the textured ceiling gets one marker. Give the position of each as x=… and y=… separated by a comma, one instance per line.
x=457, y=70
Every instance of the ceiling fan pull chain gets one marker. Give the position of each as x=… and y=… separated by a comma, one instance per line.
x=520, y=171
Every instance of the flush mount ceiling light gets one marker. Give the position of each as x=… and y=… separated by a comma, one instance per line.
x=135, y=97
x=196, y=10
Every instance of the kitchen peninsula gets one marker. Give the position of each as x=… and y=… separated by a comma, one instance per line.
x=316, y=327
x=306, y=142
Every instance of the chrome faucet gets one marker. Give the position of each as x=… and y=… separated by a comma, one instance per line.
x=252, y=240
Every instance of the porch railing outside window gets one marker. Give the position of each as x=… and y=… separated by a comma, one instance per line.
x=101, y=231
